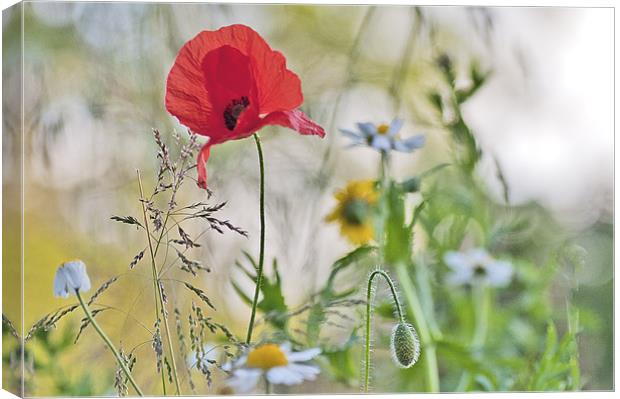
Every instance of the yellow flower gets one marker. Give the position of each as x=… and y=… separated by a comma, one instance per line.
x=354, y=211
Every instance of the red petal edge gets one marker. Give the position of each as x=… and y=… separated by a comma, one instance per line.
x=201, y=163
x=295, y=120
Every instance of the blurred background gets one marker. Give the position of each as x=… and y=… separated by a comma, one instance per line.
x=94, y=76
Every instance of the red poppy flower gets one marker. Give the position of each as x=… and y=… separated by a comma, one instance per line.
x=227, y=84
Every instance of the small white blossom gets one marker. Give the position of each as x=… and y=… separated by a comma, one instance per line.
x=383, y=137
x=476, y=265
x=71, y=276
x=277, y=363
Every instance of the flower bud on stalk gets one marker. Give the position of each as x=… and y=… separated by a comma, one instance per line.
x=404, y=345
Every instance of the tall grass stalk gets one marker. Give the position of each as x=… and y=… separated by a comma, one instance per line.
x=158, y=294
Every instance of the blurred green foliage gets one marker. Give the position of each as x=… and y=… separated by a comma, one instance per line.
x=558, y=305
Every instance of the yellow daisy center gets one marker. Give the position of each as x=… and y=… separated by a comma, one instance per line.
x=383, y=129
x=267, y=356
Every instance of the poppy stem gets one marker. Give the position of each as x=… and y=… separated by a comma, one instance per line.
x=399, y=310
x=109, y=343
x=261, y=256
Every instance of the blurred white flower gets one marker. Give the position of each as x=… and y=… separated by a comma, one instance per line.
x=383, y=137
x=277, y=363
x=476, y=265
x=71, y=276
x=209, y=353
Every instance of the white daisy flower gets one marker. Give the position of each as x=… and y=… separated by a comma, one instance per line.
x=476, y=265
x=383, y=137
x=71, y=276
x=277, y=363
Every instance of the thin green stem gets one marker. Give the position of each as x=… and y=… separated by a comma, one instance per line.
x=261, y=254
x=482, y=306
x=158, y=293
x=399, y=310
x=267, y=386
x=481, y=302
x=384, y=174
x=109, y=343
x=428, y=344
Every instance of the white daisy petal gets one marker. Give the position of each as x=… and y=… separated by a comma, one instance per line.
x=304, y=355
x=382, y=143
x=395, y=127
x=456, y=260
x=499, y=273
x=244, y=380
x=410, y=144
x=460, y=277
x=353, y=135
x=308, y=372
x=479, y=256
x=367, y=128
x=284, y=375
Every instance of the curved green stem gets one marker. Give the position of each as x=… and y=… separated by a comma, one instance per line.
x=261, y=256
x=109, y=343
x=368, y=317
x=415, y=307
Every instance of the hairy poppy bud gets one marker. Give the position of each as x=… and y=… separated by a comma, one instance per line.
x=404, y=345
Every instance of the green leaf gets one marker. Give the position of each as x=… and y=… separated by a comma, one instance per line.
x=557, y=369
x=249, y=274
x=349, y=259
x=273, y=304
x=241, y=294
x=342, y=364
x=457, y=353
x=316, y=318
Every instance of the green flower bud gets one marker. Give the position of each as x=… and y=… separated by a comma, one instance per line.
x=404, y=345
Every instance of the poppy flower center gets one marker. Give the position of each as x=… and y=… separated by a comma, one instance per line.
x=267, y=356
x=233, y=112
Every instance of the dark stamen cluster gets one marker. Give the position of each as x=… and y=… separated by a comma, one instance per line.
x=234, y=110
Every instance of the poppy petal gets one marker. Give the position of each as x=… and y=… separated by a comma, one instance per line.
x=229, y=81
x=187, y=97
x=201, y=163
x=295, y=120
x=279, y=89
